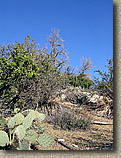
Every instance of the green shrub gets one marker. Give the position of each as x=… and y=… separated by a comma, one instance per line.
x=81, y=80
x=105, y=83
x=70, y=122
x=30, y=77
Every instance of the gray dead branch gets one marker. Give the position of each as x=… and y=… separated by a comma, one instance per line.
x=102, y=123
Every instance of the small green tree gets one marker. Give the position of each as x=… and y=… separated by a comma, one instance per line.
x=105, y=84
x=81, y=78
x=16, y=66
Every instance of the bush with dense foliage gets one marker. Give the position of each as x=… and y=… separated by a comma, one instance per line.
x=16, y=67
x=29, y=77
x=81, y=80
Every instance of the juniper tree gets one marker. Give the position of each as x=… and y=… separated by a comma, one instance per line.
x=81, y=78
x=105, y=83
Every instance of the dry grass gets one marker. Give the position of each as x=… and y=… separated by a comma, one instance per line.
x=98, y=137
x=95, y=138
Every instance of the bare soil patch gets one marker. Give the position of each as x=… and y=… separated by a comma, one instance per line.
x=97, y=137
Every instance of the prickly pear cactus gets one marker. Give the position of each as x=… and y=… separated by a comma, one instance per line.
x=13, y=130
x=27, y=121
x=40, y=129
x=24, y=145
x=20, y=132
x=45, y=140
x=32, y=114
x=19, y=118
x=16, y=142
x=31, y=135
x=41, y=117
x=11, y=122
x=26, y=112
x=4, y=139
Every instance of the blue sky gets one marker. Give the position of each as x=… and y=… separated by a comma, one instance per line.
x=85, y=25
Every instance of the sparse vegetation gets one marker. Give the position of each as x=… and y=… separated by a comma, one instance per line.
x=35, y=79
x=69, y=122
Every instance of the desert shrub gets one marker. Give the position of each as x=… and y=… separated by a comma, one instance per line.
x=83, y=99
x=68, y=121
x=77, y=98
x=72, y=98
x=81, y=81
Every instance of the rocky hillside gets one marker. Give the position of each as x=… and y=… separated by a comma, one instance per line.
x=75, y=120
x=94, y=131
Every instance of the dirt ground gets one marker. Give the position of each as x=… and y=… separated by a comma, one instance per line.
x=97, y=137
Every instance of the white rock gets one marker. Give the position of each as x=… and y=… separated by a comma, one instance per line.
x=94, y=98
x=61, y=140
x=63, y=96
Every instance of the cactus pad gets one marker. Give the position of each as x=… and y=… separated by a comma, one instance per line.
x=40, y=129
x=11, y=122
x=24, y=145
x=27, y=121
x=26, y=112
x=45, y=140
x=4, y=139
x=32, y=114
x=41, y=117
x=12, y=131
x=20, y=132
x=19, y=118
x=31, y=135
